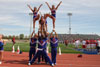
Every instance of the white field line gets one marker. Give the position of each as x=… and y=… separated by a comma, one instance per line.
x=80, y=61
x=80, y=65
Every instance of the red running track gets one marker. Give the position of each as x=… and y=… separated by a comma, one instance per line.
x=64, y=60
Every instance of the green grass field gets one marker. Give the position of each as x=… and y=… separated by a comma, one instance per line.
x=24, y=47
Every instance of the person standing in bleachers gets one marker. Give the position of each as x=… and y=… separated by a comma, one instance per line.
x=84, y=44
x=98, y=46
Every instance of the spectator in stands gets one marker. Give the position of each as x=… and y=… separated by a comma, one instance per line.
x=88, y=44
x=77, y=42
x=83, y=44
x=66, y=42
x=13, y=40
x=98, y=46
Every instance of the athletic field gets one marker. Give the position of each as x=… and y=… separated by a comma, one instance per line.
x=67, y=59
x=64, y=60
x=24, y=47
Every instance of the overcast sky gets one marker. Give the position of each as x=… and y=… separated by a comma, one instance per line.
x=15, y=19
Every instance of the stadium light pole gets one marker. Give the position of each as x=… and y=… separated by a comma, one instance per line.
x=31, y=20
x=69, y=14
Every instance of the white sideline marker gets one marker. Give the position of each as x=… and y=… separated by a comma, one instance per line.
x=18, y=50
x=13, y=49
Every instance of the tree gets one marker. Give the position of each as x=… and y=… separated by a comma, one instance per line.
x=21, y=36
x=16, y=37
x=10, y=37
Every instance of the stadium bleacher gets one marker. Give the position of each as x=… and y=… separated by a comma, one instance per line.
x=71, y=37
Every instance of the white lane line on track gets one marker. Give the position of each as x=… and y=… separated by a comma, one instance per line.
x=3, y=66
x=79, y=65
x=80, y=61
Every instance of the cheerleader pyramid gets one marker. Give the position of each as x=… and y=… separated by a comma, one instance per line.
x=41, y=38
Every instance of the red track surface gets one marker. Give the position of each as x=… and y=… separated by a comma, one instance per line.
x=64, y=60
